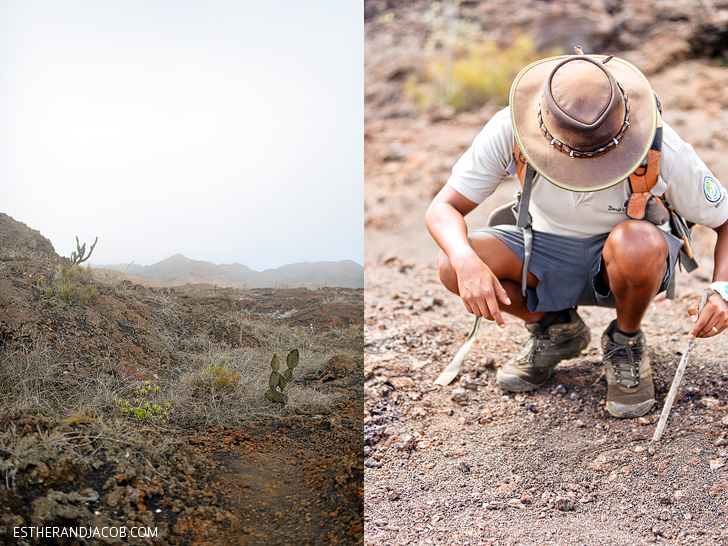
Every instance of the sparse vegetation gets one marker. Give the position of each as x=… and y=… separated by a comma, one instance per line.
x=145, y=404
x=464, y=70
x=73, y=286
x=31, y=380
x=211, y=388
x=479, y=73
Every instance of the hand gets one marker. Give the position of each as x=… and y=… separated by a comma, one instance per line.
x=481, y=290
x=713, y=319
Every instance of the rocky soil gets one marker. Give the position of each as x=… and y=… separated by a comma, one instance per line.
x=69, y=458
x=469, y=464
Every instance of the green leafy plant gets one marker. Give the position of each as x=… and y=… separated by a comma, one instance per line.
x=73, y=286
x=277, y=381
x=145, y=404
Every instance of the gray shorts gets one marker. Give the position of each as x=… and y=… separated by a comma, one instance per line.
x=569, y=270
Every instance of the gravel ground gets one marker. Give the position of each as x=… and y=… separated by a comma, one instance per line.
x=468, y=463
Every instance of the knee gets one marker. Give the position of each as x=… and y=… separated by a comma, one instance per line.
x=447, y=274
x=637, y=249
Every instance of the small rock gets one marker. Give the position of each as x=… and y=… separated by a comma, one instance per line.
x=587, y=499
x=724, y=420
x=431, y=303
x=467, y=382
x=407, y=443
x=715, y=464
x=532, y=407
x=640, y=449
x=564, y=504
x=710, y=402
x=393, y=495
x=644, y=421
x=464, y=467
x=558, y=389
x=459, y=395
x=374, y=434
x=575, y=396
x=370, y=463
x=516, y=503
x=495, y=505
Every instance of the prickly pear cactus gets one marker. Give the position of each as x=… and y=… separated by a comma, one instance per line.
x=278, y=381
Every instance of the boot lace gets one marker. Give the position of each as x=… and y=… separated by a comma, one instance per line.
x=533, y=347
x=626, y=361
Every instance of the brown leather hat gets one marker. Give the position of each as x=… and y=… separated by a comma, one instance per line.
x=584, y=122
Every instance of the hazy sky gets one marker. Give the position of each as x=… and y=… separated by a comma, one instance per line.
x=225, y=130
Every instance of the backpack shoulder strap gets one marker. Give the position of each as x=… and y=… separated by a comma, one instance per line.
x=520, y=161
x=525, y=174
x=642, y=181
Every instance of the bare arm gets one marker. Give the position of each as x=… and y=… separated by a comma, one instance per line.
x=478, y=287
x=715, y=313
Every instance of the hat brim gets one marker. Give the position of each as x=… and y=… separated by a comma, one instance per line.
x=583, y=174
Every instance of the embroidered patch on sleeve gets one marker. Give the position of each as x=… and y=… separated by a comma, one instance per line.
x=712, y=189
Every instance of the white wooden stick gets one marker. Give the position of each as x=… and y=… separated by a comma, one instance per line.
x=452, y=370
x=678, y=376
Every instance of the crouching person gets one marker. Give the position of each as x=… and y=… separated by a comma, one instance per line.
x=602, y=178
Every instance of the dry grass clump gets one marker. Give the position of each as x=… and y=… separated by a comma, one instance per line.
x=227, y=387
x=73, y=286
x=473, y=75
x=32, y=380
x=220, y=386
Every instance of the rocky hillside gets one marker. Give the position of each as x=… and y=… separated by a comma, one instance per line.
x=128, y=405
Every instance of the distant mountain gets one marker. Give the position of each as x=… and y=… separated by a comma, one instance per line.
x=178, y=270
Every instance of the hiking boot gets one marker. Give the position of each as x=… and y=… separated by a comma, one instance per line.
x=546, y=347
x=630, y=392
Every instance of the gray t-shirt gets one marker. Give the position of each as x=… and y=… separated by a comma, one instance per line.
x=692, y=190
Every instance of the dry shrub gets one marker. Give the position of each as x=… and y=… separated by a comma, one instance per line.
x=31, y=380
x=478, y=73
x=228, y=388
x=73, y=286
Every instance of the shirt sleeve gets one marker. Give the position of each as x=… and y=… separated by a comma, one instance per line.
x=692, y=189
x=484, y=165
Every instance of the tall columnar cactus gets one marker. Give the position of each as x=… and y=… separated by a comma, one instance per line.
x=277, y=380
x=81, y=256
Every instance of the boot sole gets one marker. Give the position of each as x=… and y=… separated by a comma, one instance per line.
x=513, y=383
x=622, y=411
